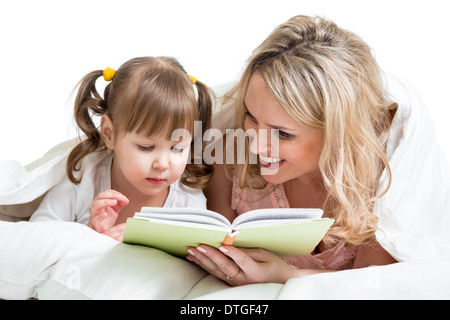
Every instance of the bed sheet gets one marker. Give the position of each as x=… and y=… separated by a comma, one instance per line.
x=64, y=260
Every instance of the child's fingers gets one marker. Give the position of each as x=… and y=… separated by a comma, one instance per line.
x=105, y=209
x=110, y=194
x=116, y=232
x=122, y=202
x=105, y=219
x=113, y=194
x=97, y=222
x=107, y=194
x=99, y=206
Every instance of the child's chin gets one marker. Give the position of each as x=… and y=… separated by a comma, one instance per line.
x=154, y=190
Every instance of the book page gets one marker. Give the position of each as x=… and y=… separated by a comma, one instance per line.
x=209, y=224
x=277, y=215
x=286, y=239
x=187, y=215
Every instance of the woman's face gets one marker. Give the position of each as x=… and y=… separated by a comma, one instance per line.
x=295, y=153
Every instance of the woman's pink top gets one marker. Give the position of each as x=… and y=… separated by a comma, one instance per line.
x=338, y=257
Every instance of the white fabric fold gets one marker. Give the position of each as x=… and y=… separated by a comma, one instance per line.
x=414, y=215
x=57, y=260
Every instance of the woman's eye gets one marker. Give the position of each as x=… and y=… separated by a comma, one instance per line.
x=284, y=135
x=146, y=148
x=252, y=118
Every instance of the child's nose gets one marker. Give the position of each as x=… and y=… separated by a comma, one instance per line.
x=161, y=163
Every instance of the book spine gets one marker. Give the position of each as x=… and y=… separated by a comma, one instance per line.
x=229, y=239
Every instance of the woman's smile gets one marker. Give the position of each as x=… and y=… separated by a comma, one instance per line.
x=271, y=163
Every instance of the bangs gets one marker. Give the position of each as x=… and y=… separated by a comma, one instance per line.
x=299, y=93
x=158, y=103
x=164, y=122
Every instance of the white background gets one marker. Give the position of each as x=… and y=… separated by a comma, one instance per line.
x=47, y=46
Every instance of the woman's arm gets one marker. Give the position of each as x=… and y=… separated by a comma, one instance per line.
x=372, y=254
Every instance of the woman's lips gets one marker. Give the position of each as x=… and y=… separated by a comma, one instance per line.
x=271, y=163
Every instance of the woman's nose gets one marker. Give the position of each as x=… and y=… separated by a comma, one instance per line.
x=259, y=141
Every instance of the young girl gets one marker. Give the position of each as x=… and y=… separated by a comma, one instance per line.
x=137, y=158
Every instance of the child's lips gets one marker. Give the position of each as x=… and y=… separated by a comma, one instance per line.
x=156, y=180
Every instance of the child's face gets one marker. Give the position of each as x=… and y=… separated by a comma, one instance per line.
x=296, y=153
x=150, y=165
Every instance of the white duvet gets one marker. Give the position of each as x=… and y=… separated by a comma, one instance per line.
x=63, y=260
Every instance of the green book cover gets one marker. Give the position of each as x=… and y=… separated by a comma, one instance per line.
x=286, y=232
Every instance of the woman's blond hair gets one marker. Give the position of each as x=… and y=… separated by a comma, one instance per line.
x=326, y=78
x=149, y=95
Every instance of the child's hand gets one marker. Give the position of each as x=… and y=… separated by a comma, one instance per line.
x=116, y=232
x=105, y=210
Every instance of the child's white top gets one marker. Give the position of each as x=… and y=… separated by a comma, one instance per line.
x=70, y=202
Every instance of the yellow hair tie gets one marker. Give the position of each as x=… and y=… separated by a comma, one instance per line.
x=108, y=74
x=194, y=80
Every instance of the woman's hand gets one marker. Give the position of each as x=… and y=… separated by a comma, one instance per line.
x=242, y=266
x=105, y=209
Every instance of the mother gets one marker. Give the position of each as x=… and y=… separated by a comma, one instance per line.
x=321, y=88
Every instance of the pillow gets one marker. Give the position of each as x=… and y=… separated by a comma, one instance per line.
x=101, y=268
x=28, y=250
x=67, y=260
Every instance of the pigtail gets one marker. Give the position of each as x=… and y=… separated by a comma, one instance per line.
x=204, y=99
x=87, y=103
x=198, y=175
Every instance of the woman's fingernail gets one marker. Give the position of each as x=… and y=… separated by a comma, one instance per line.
x=191, y=252
x=202, y=250
x=223, y=250
x=190, y=258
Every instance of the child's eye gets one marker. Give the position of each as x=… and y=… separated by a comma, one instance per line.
x=177, y=149
x=146, y=148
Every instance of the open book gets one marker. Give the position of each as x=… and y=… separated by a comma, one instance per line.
x=286, y=232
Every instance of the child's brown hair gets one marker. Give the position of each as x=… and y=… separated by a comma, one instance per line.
x=149, y=95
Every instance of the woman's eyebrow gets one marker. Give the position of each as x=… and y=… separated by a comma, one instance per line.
x=281, y=128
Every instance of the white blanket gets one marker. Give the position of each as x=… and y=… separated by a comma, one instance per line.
x=415, y=213
x=65, y=260
x=62, y=260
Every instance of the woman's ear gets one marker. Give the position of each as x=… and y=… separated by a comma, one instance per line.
x=107, y=130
